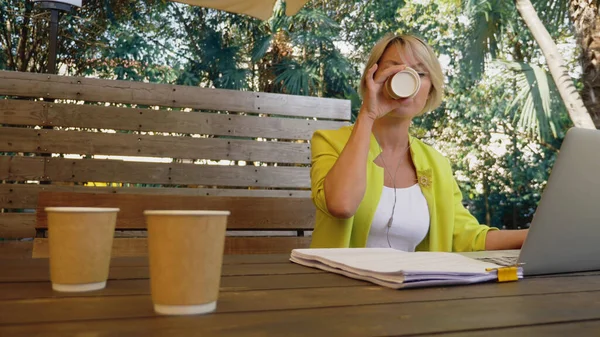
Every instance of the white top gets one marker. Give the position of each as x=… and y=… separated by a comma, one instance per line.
x=411, y=219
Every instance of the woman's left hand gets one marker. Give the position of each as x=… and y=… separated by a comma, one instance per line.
x=505, y=239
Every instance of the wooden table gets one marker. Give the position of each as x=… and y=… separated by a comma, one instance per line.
x=265, y=295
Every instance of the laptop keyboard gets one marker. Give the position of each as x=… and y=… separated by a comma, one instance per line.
x=500, y=260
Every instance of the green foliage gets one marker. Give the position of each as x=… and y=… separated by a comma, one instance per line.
x=501, y=122
x=85, y=34
x=532, y=107
x=501, y=170
x=367, y=21
x=295, y=78
x=489, y=22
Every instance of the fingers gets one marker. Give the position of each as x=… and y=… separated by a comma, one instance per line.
x=369, y=77
x=383, y=74
x=372, y=70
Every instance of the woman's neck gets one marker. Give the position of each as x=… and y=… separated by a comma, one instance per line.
x=392, y=133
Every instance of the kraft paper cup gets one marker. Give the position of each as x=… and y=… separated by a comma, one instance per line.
x=403, y=84
x=186, y=252
x=80, y=240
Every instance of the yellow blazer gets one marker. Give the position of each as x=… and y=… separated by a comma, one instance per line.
x=451, y=227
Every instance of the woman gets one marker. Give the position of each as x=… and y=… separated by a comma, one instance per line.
x=374, y=185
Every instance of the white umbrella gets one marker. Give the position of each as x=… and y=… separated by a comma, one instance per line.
x=262, y=9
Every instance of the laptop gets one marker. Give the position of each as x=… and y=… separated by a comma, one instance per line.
x=564, y=235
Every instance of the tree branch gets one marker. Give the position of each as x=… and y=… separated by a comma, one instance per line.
x=188, y=29
x=7, y=35
x=24, y=37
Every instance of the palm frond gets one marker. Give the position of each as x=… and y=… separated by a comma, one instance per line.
x=339, y=73
x=315, y=18
x=236, y=79
x=260, y=47
x=295, y=78
x=489, y=19
x=553, y=13
x=314, y=28
x=278, y=19
x=531, y=108
x=189, y=78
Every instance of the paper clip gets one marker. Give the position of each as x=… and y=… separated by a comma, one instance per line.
x=506, y=274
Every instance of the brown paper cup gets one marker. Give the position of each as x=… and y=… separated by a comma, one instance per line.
x=403, y=84
x=186, y=252
x=80, y=240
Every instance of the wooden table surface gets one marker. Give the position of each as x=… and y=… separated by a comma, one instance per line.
x=265, y=295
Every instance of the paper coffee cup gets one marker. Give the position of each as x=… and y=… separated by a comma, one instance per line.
x=80, y=240
x=403, y=84
x=185, y=249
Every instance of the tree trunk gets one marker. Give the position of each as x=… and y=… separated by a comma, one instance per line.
x=486, y=200
x=321, y=72
x=585, y=17
x=577, y=111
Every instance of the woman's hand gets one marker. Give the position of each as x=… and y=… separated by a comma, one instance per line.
x=376, y=102
x=505, y=239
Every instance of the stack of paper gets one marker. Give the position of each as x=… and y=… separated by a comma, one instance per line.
x=397, y=269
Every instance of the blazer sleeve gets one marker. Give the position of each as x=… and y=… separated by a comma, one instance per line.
x=468, y=234
x=324, y=156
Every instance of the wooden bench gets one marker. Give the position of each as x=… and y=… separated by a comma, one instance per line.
x=93, y=142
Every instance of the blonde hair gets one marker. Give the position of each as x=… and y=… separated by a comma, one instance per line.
x=422, y=52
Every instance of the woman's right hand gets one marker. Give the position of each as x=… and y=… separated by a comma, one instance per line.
x=376, y=102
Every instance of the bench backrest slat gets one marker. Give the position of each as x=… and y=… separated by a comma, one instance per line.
x=32, y=113
x=77, y=170
x=104, y=141
x=233, y=245
x=124, y=144
x=246, y=212
x=166, y=95
x=21, y=196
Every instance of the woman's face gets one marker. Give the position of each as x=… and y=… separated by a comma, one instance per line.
x=412, y=106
